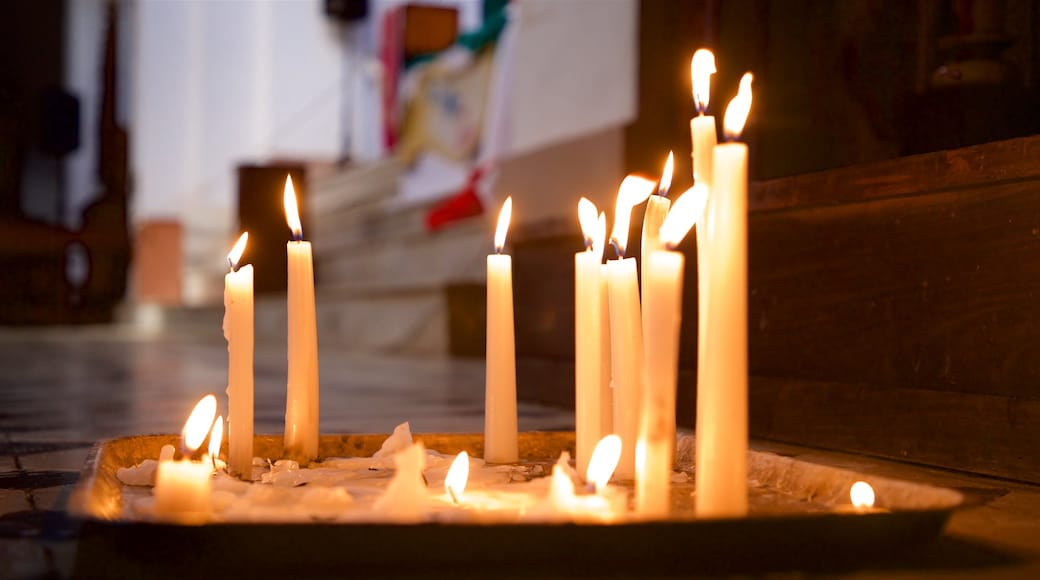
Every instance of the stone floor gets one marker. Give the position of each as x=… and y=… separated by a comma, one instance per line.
x=63, y=389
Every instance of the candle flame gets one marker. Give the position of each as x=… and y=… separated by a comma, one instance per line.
x=198, y=424
x=604, y=461
x=292, y=210
x=862, y=495
x=587, y=215
x=686, y=211
x=503, y=224
x=236, y=251
x=666, y=175
x=702, y=66
x=738, y=109
x=634, y=190
x=458, y=476
x=216, y=436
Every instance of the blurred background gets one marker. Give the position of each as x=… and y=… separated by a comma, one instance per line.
x=138, y=137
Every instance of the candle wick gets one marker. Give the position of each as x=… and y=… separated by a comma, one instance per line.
x=617, y=249
x=454, y=498
x=230, y=264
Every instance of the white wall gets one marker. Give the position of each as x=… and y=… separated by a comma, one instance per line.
x=218, y=84
x=84, y=33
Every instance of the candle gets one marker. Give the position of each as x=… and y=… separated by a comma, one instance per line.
x=656, y=210
x=722, y=419
x=589, y=326
x=182, y=488
x=238, y=331
x=301, y=401
x=626, y=332
x=662, y=309
x=703, y=139
x=500, y=443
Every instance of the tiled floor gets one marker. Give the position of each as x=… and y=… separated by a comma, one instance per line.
x=63, y=389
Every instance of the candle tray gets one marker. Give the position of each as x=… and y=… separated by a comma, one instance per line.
x=792, y=524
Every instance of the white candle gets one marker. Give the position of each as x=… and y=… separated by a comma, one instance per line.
x=722, y=421
x=605, y=373
x=703, y=139
x=238, y=330
x=626, y=331
x=589, y=324
x=301, y=402
x=662, y=299
x=182, y=491
x=500, y=431
x=656, y=210
x=182, y=488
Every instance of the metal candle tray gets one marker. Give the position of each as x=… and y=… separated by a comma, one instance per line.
x=792, y=523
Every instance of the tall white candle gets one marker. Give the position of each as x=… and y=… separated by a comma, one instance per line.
x=662, y=299
x=500, y=431
x=656, y=210
x=589, y=426
x=605, y=374
x=722, y=426
x=626, y=329
x=182, y=488
x=238, y=330
x=703, y=139
x=301, y=402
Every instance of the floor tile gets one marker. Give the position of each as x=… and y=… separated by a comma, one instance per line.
x=12, y=500
x=66, y=460
x=51, y=498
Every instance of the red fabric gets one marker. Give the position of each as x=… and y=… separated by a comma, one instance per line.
x=464, y=204
x=392, y=55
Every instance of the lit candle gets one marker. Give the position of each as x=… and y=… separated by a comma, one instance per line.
x=703, y=140
x=662, y=311
x=301, y=401
x=722, y=417
x=656, y=210
x=238, y=331
x=182, y=488
x=589, y=326
x=500, y=437
x=626, y=332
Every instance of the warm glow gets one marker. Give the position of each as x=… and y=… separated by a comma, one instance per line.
x=292, y=211
x=686, y=211
x=666, y=175
x=702, y=66
x=503, y=224
x=738, y=109
x=561, y=488
x=216, y=436
x=862, y=495
x=197, y=426
x=236, y=252
x=633, y=191
x=604, y=460
x=587, y=215
x=458, y=475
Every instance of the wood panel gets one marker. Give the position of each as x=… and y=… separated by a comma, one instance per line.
x=894, y=310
